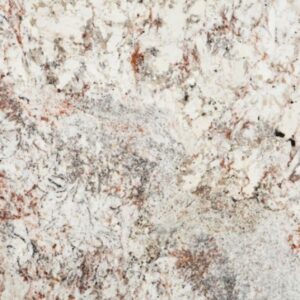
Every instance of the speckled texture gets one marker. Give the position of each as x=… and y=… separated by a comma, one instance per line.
x=149, y=149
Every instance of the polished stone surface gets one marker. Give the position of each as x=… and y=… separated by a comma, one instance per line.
x=149, y=149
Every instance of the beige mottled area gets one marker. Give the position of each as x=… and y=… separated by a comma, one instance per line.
x=149, y=149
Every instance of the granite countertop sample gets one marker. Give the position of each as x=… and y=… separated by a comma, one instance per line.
x=149, y=149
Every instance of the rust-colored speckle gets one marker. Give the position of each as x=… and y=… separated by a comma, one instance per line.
x=15, y=14
x=184, y=65
x=222, y=163
x=18, y=198
x=65, y=108
x=294, y=241
x=154, y=22
x=228, y=133
x=200, y=190
x=195, y=54
x=6, y=216
x=41, y=296
x=294, y=177
x=242, y=91
x=194, y=266
x=46, y=119
x=246, y=125
x=157, y=23
x=184, y=258
x=140, y=129
x=137, y=58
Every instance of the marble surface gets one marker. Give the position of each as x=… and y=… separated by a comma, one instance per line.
x=149, y=149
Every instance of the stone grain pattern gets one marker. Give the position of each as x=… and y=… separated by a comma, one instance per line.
x=149, y=149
